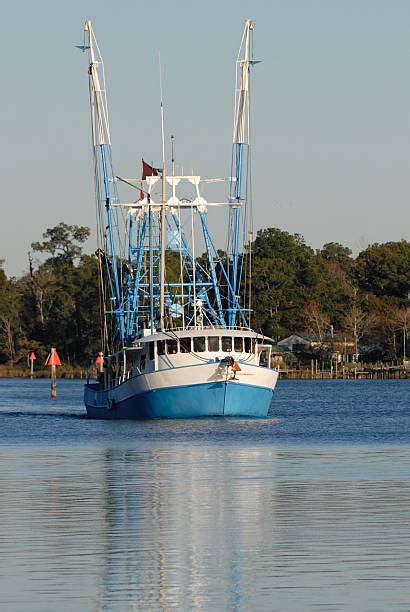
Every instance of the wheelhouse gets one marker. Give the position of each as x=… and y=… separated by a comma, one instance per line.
x=167, y=349
x=172, y=349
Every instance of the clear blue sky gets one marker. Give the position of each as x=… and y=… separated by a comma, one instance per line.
x=331, y=104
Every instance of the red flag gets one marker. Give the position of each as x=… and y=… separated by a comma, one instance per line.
x=147, y=170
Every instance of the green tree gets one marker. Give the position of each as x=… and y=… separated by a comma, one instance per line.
x=61, y=296
x=285, y=276
x=334, y=252
x=60, y=241
x=11, y=334
x=384, y=270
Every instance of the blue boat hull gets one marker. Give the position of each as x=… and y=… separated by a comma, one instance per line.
x=221, y=398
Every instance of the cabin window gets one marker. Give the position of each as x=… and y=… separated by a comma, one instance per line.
x=185, y=345
x=142, y=364
x=253, y=341
x=213, y=344
x=172, y=347
x=151, y=351
x=264, y=357
x=237, y=343
x=199, y=344
x=247, y=345
x=161, y=347
x=227, y=343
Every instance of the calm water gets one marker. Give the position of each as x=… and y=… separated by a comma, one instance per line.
x=306, y=510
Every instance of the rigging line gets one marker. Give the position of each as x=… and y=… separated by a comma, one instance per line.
x=97, y=191
x=193, y=261
x=250, y=205
x=99, y=225
x=123, y=213
x=138, y=186
x=249, y=211
x=181, y=273
x=228, y=284
x=103, y=299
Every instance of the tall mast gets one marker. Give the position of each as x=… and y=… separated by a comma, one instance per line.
x=240, y=153
x=163, y=217
x=104, y=173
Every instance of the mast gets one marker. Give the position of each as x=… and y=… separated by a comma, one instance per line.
x=239, y=173
x=162, y=263
x=163, y=217
x=104, y=176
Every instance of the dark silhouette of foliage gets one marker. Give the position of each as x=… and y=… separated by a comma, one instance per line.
x=294, y=289
x=384, y=270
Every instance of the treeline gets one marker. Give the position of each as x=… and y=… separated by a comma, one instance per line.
x=294, y=289
x=55, y=304
x=328, y=293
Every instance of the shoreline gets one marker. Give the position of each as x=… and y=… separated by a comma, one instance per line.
x=368, y=373
x=69, y=372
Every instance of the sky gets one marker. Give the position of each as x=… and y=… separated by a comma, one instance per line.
x=330, y=110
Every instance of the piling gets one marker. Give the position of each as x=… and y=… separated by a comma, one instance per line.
x=53, y=382
x=53, y=360
x=32, y=358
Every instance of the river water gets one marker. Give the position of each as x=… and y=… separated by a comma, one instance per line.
x=308, y=509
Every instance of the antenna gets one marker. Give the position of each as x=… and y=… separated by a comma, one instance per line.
x=172, y=154
x=162, y=106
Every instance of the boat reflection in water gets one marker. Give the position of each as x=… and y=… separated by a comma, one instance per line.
x=184, y=528
x=217, y=527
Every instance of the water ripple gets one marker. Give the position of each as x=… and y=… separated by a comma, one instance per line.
x=213, y=515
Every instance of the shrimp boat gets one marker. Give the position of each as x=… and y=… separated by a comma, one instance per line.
x=176, y=310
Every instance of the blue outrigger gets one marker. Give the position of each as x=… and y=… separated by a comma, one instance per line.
x=176, y=327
